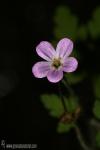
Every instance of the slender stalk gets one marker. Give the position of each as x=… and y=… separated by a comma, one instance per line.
x=80, y=138
x=77, y=130
x=61, y=96
x=68, y=87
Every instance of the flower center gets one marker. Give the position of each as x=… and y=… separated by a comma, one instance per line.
x=56, y=63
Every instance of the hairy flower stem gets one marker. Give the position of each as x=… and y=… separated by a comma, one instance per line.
x=81, y=140
x=68, y=87
x=62, y=97
x=77, y=130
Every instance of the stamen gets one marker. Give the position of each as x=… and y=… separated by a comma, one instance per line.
x=56, y=63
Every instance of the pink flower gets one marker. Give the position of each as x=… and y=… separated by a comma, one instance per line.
x=56, y=61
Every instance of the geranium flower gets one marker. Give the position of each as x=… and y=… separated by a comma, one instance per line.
x=56, y=61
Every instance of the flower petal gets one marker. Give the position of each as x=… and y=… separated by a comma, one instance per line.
x=55, y=75
x=40, y=69
x=70, y=64
x=64, y=48
x=45, y=50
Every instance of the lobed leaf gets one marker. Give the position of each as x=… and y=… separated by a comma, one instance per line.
x=53, y=104
x=94, y=24
x=96, y=85
x=62, y=128
x=98, y=139
x=66, y=23
x=72, y=104
x=96, y=109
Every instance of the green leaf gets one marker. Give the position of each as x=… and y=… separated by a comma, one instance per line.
x=53, y=104
x=96, y=82
x=94, y=24
x=65, y=23
x=72, y=104
x=64, y=127
x=98, y=139
x=96, y=109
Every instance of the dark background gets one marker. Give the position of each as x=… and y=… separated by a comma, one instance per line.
x=23, y=118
